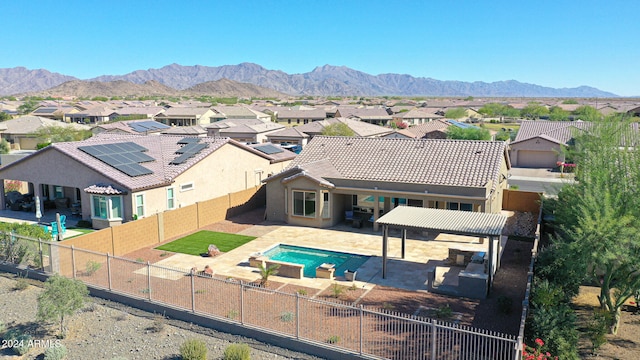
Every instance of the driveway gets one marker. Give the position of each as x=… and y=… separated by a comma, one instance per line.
x=539, y=180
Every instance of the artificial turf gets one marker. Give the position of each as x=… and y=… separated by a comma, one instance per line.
x=198, y=243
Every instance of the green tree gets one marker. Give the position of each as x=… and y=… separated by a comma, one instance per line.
x=54, y=134
x=61, y=298
x=266, y=272
x=27, y=106
x=4, y=116
x=587, y=113
x=470, y=133
x=337, y=129
x=534, y=110
x=598, y=213
x=556, y=113
x=5, y=147
x=455, y=113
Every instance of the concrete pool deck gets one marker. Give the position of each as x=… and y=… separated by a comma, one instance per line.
x=422, y=253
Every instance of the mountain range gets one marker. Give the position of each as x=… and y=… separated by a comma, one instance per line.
x=324, y=80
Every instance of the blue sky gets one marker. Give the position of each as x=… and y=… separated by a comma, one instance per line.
x=557, y=43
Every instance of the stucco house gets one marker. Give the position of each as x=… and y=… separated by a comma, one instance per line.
x=244, y=130
x=19, y=132
x=541, y=144
x=116, y=178
x=186, y=116
x=367, y=177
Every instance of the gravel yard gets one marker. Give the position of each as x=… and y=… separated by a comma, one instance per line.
x=108, y=330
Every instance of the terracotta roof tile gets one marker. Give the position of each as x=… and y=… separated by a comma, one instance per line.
x=426, y=161
x=162, y=148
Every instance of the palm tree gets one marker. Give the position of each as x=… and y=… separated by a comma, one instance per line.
x=265, y=272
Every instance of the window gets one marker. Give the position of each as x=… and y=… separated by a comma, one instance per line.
x=58, y=192
x=106, y=207
x=186, y=187
x=171, y=201
x=304, y=203
x=460, y=206
x=325, y=205
x=140, y=205
x=414, y=202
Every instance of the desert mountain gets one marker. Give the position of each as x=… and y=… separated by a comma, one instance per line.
x=19, y=79
x=323, y=80
x=90, y=89
x=226, y=87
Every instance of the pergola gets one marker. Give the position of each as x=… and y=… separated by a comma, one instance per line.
x=454, y=222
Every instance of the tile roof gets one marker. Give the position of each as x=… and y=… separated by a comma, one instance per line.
x=468, y=163
x=556, y=131
x=301, y=114
x=29, y=123
x=360, y=128
x=162, y=148
x=292, y=132
x=183, y=111
x=195, y=130
x=423, y=129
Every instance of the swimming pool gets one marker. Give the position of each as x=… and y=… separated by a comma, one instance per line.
x=312, y=258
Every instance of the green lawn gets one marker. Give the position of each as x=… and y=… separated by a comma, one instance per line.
x=197, y=243
x=499, y=126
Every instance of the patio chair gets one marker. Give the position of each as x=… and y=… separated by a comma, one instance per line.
x=348, y=215
x=63, y=223
x=54, y=230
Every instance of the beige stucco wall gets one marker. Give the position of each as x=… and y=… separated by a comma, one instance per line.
x=482, y=198
x=55, y=168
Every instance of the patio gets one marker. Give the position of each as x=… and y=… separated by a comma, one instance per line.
x=423, y=252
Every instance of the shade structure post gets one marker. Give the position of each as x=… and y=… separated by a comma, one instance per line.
x=385, y=241
x=404, y=240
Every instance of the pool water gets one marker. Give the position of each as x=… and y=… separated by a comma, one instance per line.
x=312, y=258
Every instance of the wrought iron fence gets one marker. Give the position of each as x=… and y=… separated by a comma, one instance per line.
x=369, y=332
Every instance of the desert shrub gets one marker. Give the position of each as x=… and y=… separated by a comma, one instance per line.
x=388, y=306
x=122, y=316
x=333, y=339
x=58, y=352
x=598, y=328
x=302, y=291
x=444, y=312
x=336, y=290
x=233, y=314
x=557, y=325
x=92, y=266
x=159, y=323
x=21, y=284
x=21, y=344
x=505, y=304
x=193, y=349
x=286, y=316
x=237, y=352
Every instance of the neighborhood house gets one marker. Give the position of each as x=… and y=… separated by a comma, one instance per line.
x=110, y=179
x=358, y=179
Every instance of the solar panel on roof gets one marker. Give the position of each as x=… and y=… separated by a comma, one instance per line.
x=188, y=140
x=182, y=158
x=269, y=149
x=134, y=169
x=193, y=147
x=124, y=157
